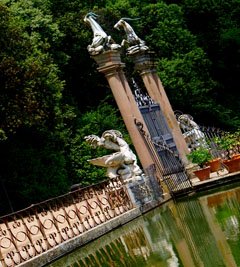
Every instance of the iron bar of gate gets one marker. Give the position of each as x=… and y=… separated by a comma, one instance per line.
x=168, y=165
x=150, y=147
x=173, y=169
x=34, y=230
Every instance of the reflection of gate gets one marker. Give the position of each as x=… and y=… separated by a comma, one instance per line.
x=168, y=165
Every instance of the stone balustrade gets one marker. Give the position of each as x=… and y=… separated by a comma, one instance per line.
x=43, y=226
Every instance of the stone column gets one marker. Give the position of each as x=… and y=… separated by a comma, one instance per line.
x=110, y=65
x=145, y=66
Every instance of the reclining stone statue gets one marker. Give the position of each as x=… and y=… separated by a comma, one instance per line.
x=122, y=163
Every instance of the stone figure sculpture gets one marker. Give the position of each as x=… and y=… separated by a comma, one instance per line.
x=101, y=41
x=134, y=43
x=121, y=163
x=194, y=137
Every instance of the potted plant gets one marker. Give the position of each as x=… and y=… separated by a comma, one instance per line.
x=226, y=143
x=215, y=164
x=229, y=143
x=236, y=148
x=201, y=156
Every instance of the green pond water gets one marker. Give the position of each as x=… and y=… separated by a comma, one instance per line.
x=202, y=230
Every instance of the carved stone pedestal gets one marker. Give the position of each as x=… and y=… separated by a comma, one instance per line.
x=144, y=190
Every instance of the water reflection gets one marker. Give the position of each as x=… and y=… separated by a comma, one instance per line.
x=198, y=231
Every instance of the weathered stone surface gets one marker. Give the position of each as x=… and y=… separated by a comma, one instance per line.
x=82, y=239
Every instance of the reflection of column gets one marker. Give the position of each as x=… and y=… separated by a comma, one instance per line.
x=198, y=233
x=163, y=234
x=111, y=66
x=136, y=243
x=218, y=234
x=185, y=251
x=144, y=64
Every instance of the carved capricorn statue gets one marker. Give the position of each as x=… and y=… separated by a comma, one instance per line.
x=101, y=41
x=133, y=41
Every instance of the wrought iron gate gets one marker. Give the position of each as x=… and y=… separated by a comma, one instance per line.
x=161, y=144
x=157, y=125
x=168, y=164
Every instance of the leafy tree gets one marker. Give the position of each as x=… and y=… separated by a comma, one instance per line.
x=29, y=83
x=33, y=162
x=216, y=26
x=183, y=66
x=33, y=168
x=80, y=73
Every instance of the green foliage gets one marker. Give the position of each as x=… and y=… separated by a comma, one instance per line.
x=183, y=66
x=166, y=30
x=216, y=26
x=31, y=105
x=182, y=78
x=230, y=142
x=30, y=88
x=226, y=142
x=33, y=167
x=200, y=156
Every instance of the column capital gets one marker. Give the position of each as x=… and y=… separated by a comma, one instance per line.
x=109, y=62
x=144, y=61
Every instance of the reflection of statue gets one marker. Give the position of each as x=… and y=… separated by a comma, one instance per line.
x=101, y=41
x=133, y=41
x=122, y=163
x=194, y=137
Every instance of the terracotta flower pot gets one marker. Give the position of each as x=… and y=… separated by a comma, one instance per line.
x=235, y=156
x=233, y=165
x=203, y=174
x=214, y=164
